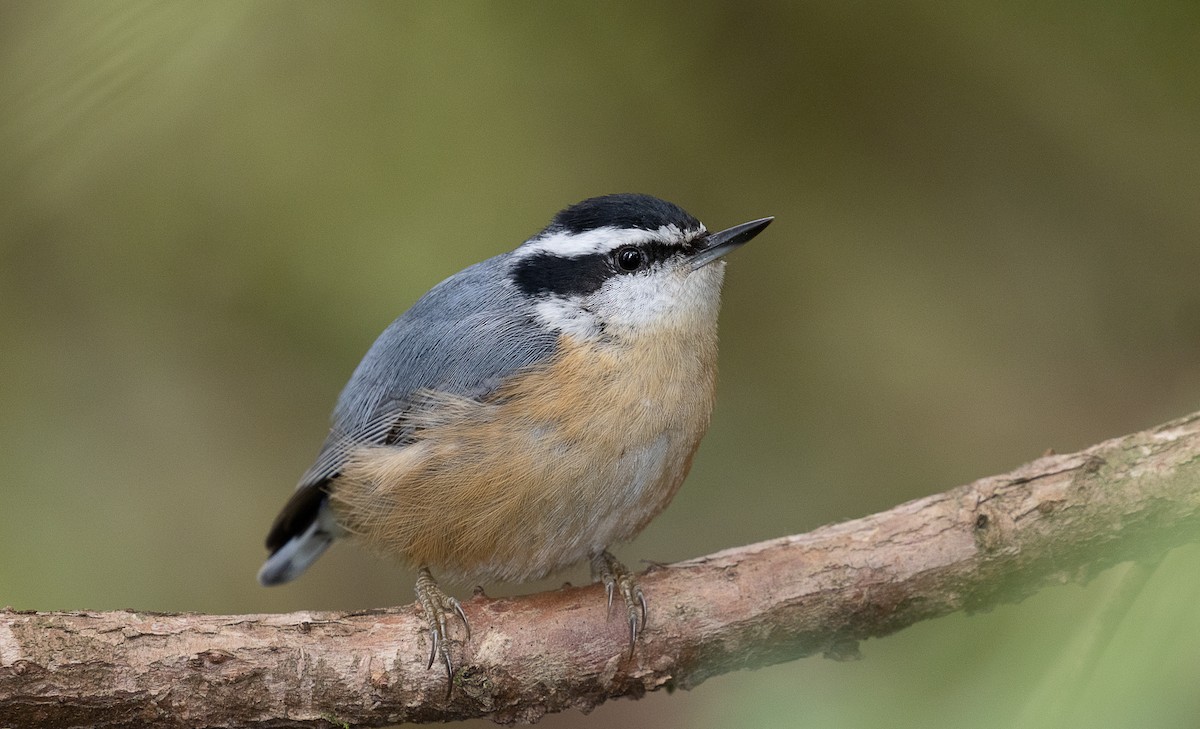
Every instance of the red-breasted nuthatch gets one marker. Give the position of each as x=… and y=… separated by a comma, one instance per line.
x=528, y=412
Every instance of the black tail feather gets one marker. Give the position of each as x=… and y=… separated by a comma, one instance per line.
x=297, y=515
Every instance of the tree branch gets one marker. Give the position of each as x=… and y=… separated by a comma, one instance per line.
x=1001, y=538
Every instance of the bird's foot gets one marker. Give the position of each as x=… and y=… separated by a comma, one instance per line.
x=437, y=606
x=616, y=578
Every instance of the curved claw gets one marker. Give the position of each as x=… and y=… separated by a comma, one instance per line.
x=434, y=640
x=616, y=578
x=449, y=672
x=458, y=609
x=436, y=604
x=636, y=625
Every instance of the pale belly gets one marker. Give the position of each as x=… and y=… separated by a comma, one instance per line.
x=548, y=474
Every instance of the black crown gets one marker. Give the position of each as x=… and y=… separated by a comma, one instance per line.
x=622, y=210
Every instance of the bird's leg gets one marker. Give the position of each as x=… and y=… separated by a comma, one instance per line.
x=437, y=605
x=616, y=578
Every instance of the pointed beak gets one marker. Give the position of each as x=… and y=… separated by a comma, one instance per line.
x=715, y=245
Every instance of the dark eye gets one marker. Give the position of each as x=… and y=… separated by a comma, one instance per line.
x=629, y=258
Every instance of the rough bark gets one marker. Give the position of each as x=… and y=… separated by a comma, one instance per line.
x=1060, y=518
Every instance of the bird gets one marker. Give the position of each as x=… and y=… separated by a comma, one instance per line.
x=527, y=413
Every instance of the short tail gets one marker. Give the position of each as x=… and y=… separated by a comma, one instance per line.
x=302, y=532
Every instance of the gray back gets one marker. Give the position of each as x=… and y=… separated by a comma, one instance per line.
x=464, y=337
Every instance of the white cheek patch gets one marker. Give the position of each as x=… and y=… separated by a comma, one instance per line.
x=638, y=304
x=568, y=316
x=666, y=300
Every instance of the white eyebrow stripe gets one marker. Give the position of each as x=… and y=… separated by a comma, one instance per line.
x=598, y=240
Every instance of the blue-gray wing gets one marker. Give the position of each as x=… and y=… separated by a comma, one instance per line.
x=464, y=337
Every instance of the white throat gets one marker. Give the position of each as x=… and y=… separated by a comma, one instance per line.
x=663, y=302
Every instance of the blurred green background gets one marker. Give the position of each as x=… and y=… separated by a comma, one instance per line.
x=987, y=244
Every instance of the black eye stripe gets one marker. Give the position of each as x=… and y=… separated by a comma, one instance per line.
x=545, y=273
